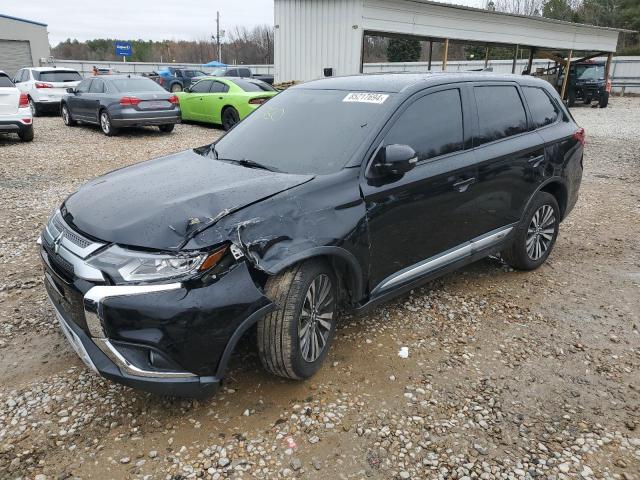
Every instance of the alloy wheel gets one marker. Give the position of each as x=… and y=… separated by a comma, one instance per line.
x=105, y=123
x=541, y=232
x=65, y=115
x=32, y=106
x=316, y=317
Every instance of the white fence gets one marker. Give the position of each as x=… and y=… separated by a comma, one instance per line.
x=625, y=71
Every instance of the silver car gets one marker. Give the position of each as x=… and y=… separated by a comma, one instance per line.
x=117, y=101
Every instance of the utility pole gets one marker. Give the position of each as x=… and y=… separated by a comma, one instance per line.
x=218, y=36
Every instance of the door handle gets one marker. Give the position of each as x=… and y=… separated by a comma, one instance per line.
x=462, y=185
x=535, y=160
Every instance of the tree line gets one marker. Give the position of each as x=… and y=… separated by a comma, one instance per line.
x=242, y=45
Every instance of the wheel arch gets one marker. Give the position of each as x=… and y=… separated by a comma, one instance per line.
x=556, y=187
x=344, y=264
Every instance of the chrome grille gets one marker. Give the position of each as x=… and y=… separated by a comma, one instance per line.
x=75, y=238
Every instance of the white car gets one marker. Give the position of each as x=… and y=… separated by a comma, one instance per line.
x=45, y=86
x=15, y=114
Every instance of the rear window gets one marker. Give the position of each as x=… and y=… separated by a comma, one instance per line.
x=543, y=110
x=253, y=85
x=5, y=81
x=56, y=76
x=136, y=85
x=500, y=113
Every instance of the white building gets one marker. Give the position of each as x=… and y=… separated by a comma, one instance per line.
x=23, y=43
x=314, y=35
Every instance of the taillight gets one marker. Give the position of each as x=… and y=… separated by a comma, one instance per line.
x=24, y=100
x=174, y=100
x=161, y=81
x=43, y=85
x=608, y=86
x=257, y=101
x=129, y=101
x=579, y=135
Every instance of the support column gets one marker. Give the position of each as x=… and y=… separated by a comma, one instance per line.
x=515, y=59
x=445, y=55
x=430, y=54
x=486, y=57
x=607, y=68
x=532, y=51
x=565, y=81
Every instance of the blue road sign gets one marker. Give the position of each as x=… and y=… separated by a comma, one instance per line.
x=124, y=49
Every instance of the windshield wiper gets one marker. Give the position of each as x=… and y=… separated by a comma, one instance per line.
x=248, y=163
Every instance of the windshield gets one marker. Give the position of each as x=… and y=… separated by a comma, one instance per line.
x=136, y=85
x=590, y=72
x=252, y=85
x=57, y=76
x=305, y=131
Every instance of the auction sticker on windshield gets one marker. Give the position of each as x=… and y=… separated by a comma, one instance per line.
x=365, y=97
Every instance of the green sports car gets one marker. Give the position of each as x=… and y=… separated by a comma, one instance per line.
x=223, y=100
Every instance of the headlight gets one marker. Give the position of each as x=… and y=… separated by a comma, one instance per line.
x=135, y=266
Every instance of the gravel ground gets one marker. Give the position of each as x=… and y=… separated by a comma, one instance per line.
x=508, y=375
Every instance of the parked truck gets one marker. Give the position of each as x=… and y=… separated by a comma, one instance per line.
x=241, y=72
x=176, y=79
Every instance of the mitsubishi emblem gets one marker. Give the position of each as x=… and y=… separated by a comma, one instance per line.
x=56, y=242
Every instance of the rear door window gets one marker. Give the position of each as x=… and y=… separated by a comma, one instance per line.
x=219, y=87
x=432, y=125
x=202, y=86
x=543, y=110
x=5, y=81
x=501, y=113
x=97, y=86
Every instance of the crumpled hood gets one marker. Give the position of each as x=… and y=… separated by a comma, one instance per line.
x=161, y=203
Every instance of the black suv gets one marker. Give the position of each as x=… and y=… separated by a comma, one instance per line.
x=334, y=196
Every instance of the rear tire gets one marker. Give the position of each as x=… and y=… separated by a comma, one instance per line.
x=536, y=235
x=66, y=116
x=176, y=87
x=294, y=340
x=168, y=128
x=230, y=117
x=35, y=109
x=26, y=135
x=604, y=100
x=106, y=125
x=571, y=98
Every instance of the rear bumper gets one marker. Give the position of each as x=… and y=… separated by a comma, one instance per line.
x=135, y=118
x=16, y=122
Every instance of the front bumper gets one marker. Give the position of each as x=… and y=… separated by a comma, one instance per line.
x=173, y=339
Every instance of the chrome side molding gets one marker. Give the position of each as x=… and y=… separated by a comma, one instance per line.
x=434, y=263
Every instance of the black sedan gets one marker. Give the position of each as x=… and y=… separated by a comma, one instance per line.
x=334, y=196
x=118, y=101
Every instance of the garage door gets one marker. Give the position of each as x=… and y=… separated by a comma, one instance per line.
x=14, y=54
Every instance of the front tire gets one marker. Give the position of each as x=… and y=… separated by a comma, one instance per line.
x=26, y=135
x=536, y=235
x=230, y=117
x=168, y=128
x=571, y=98
x=294, y=340
x=604, y=100
x=106, y=125
x=66, y=116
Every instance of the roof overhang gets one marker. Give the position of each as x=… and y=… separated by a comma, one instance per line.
x=428, y=19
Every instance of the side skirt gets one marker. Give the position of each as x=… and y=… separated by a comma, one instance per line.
x=436, y=266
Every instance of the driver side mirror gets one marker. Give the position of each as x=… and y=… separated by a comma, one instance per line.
x=395, y=160
x=71, y=90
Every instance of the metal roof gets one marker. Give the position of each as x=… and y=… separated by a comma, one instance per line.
x=22, y=20
x=517, y=15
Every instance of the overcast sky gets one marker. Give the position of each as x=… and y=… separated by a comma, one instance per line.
x=146, y=19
